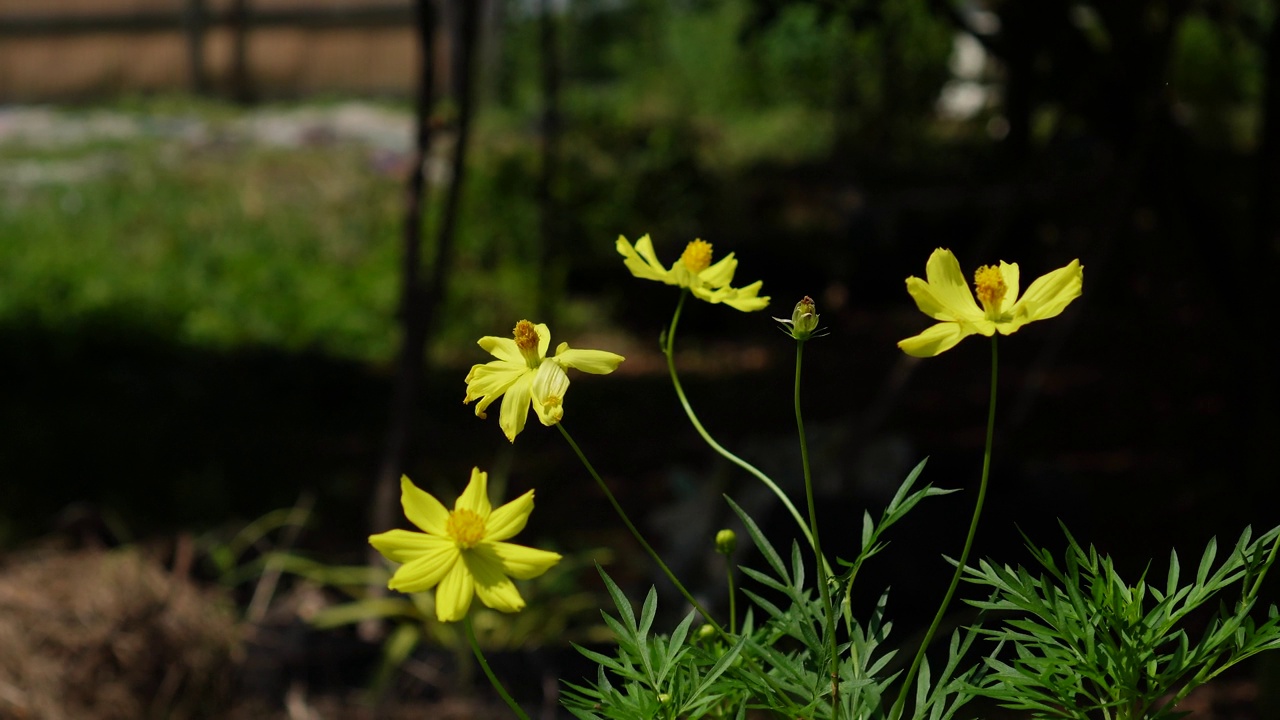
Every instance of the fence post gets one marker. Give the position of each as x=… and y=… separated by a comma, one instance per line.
x=242, y=89
x=194, y=19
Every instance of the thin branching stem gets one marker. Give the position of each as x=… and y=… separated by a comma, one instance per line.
x=823, y=590
x=493, y=679
x=900, y=704
x=635, y=532
x=669, y=349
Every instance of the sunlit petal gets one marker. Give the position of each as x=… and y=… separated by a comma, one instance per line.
x=515, y=406
x=518, y=561
x=720, y=273
x=945, y=295
x=423, y=573
x=493, y=587
x=402, y=546
x=641, y=260
x=476, y=495
x=1050, y=294
x=502, y=348
x=509, y=519
x=596, y=362
x=489, y=381
x=544, y=338
x=422, y=508
x=1009, y=271
x=936, y=339
x=453, y=598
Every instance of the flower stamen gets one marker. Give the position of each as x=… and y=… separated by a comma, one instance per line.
x=697, y=256
x=988, y=282
x=465, y=527
x=526, y=336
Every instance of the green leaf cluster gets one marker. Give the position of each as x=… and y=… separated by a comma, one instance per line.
x=781, y=663
x=1087, y=644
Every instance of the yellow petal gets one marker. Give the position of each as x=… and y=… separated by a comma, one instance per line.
x=489, y=381
x=422, y=508
x=744, y=299
x=402, y=546
x=493, y=587
x=641, y=260
x=549, y=387
x=476, y=495
x=937, y=339
x=596, y=362
x=544, y=339
x=425, y=572
x=945, y=295
x=719, y=274
x=502, y=348
x=515, y=406
x=1050, y=294
x=518, y=561
x=453, y=598
x=506, y=521
x=1009, y=272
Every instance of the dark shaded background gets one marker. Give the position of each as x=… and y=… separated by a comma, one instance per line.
x=1140, y=137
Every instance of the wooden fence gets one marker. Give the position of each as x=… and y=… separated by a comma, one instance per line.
x=233, y=48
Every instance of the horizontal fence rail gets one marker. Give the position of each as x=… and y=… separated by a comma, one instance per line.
x=367, y=16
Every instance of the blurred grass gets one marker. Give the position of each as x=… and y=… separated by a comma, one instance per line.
x=218, y=245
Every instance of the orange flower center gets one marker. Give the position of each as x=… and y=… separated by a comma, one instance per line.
x=465, y=527
x=526, y=336
x=697, y=256
x=990, y=287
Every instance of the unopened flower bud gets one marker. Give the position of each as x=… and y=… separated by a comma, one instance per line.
x=804, y=320
x=663, y=698
x=706, y=631
x=726, y=541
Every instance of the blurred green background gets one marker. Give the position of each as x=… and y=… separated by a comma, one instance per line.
x=198, y=297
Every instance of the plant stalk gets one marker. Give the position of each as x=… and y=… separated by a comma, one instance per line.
x=899, y=705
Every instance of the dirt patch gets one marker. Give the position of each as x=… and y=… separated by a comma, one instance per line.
x=93, y=634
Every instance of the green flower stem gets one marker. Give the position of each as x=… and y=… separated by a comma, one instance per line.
x=636, y=532
x=1257, y=582
x=773, y=685
x=668, y=349
x=733, y=610
x=899, y=706
x=817, y=548
x=484, y=664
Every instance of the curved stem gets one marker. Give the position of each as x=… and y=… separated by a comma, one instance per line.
x=898, y=706
x=484, y=665
x=668, y=349
x=636, y=532
x=823, y=590
x=773, y=685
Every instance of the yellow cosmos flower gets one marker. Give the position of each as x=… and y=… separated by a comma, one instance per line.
x=462, y=550
x=945, y=296
x=694, y=271
x=525, y=374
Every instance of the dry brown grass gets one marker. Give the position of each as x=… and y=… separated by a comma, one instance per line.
x=110, y=636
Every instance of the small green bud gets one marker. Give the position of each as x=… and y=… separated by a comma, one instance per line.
x=706, y=631
x=726, y=541
x=804, y=320
x=663, y=698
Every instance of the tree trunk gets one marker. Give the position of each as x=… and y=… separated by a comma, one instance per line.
x=414, y=310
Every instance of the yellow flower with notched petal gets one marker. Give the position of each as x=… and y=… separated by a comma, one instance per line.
x=526, y=376
x=694, y=271
x=945, y=296
x=462, y=550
